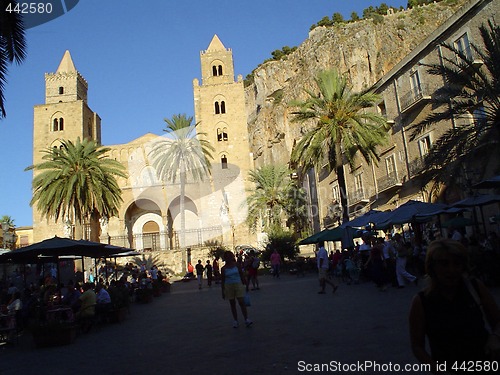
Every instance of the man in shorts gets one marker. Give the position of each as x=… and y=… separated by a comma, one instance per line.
x=323, y=265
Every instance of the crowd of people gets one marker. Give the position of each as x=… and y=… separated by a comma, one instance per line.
x=83, y=302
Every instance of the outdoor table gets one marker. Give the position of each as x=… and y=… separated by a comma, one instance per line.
x=60, y=314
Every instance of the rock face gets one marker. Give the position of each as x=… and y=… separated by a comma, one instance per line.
x=364, y=50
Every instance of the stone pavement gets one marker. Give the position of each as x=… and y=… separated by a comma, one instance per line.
x=190, y=331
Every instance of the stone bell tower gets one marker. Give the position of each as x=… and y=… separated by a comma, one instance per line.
x=64, y=116
x=220, y=110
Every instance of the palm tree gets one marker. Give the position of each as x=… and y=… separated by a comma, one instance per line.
x=275, y=198
x=341, y=128
x=7, y=219
x=77, y=181
x=471, y=91
x=179, y=154
x=12, y=45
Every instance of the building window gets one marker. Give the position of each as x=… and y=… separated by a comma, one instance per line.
x=223, y=161
x=479, y=116
x=463, y=46
x=89, y=129
x=424, y=145
x=358, y=183
x=336, y=192
x=217, y=70
x=61, y=90
x=224, y=134
x=58, y=124
x=382, y=110
x=415, y=84
x=390, y=165
x=220, y=107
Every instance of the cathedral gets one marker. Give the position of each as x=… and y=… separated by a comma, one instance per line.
x=149, y=217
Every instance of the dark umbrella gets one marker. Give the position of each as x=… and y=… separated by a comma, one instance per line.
x=407, y=213
x=490, y=183
x=458, y=222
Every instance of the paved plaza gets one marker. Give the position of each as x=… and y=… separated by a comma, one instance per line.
x=189, y=331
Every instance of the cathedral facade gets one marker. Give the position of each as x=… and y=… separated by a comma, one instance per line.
x=149, y=217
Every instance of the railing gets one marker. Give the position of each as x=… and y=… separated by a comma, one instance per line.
x=388, y=182
x=415, y=166
x=170, y=241
x=356, y=197
x=416, y=95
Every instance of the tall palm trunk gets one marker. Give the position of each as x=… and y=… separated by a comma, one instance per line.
x=182, y=204
x=339, y=169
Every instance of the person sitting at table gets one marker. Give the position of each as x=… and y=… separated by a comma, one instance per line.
x=87, y=302
x=15, y=304
x=72, y=297
x=103, y=300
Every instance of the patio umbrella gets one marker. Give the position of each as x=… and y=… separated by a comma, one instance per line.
x=372, y=216
x=490, y=183
x=406, y=213
x=477, y=201
x=312, y=239
x=58, y=246
x=458, y=222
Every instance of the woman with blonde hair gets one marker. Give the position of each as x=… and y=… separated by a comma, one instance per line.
x=233, y=287
x=449, y=312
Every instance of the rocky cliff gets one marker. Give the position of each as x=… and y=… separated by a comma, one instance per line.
x=365, y=50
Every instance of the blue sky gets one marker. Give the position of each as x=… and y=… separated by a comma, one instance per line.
x=139, y=58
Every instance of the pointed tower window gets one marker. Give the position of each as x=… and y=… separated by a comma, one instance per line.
x=220, y=70
x=223, y=161
x=61, y=123
x=61, y=90
x=214, y=71
x=55, y=125
x=217, y=108
x=219, y=135
x=224, y=134
x=223, y=107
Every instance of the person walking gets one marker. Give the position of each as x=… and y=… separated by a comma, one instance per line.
x=402, y=275
x=208, y=271
x=233, y=287
x=199, y=273
x=276, y=263
x=216, y=270
x=323, y=265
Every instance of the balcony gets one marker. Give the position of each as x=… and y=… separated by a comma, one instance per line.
x=388, y=182
x=357, y=196
x=414, y=98
x=415, y=166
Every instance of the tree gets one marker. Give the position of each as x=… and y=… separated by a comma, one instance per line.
x=12, y=45
x=275, y=198
x=77, y=181
x=337, y=18
x=340, y=128
x=471, y=96
x=181, y=153
x=7, y=219
x=354, y=16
